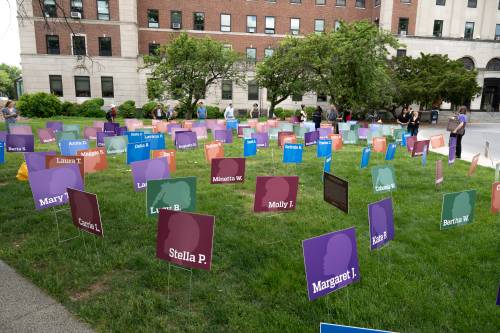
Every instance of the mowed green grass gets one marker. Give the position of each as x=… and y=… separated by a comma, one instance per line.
x=426, y=280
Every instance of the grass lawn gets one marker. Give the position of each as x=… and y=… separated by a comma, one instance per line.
x=426, y=280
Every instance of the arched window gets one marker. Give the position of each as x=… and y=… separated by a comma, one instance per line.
x=493, y=65
x=468, y=63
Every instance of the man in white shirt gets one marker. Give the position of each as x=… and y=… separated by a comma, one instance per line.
x=229, y=112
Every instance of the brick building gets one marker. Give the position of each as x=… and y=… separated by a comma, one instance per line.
x=115, y=34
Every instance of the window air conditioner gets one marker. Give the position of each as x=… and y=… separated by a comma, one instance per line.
x=176, y=25
x=76, y=15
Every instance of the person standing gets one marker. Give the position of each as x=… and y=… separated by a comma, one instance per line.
x=414, y=123
x=229, y=112
x=158, y=112
x=404, y=117
x=303, y=113
x=201, y=111
x=10, y=114
x=459, y=131
x=317, y=116
x=254, y=113
x=111, y=114
x=333, y=116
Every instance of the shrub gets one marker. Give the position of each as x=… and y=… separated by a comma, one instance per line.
x=149, y=107
x=127, y=109
x=309, y=111
x=214, y=112
x=40, y=105
x=92, y=108
x=280, y=113
x=70, y=109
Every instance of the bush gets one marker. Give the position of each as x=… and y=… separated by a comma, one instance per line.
x=214, y=112
x=279, y=113
x=70, y=109
x=40, y=105
x=127, y=109
x=309, y=111
x=149, y=107
x=92, y=108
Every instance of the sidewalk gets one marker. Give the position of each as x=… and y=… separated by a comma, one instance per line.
x=25, y=308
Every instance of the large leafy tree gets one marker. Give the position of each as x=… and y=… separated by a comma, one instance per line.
x=8, y=75
x=432, y=78
x=187, y=66
x=283, y=74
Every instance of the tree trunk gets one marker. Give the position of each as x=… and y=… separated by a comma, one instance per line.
x=271, y=109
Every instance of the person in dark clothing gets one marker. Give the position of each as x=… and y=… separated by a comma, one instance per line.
x=462, y=117
x=317, y=116
x=414, y=123
x=404, y=117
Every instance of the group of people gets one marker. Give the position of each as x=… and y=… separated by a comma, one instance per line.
x=410, y=119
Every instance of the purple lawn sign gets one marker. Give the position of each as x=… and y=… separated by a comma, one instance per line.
x=101, y=136
x=20, y=143
x=185, y=140
x=220, y=135
x=323, y=132
x=121, y=131
x=46, y=135
x=35, y=161
x=99, y=124
x=262, y=139
x=154, y=169
x=381, y=219
x=56, y=126
x=111, y=127
x=311, y=138
x=90, y=133
x=498, y=296
x=294, y=120
x=21, y=130
x=201, y=132
x=177, y=130
x=170, y=126
x=3, y=136
x=49, y=186
x=331, y=262
x=453, y=141
x=363, y=133
x=197, y=124
x=452, y=154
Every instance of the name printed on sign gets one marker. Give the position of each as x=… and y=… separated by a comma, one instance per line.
x=456, y=220
x=17, y=149
x=379, y=238
x=62, y=160
x=294, y=147
x=188, y=145
x=186, y=256
x=140, y=145
x=385, y=187
x=77, y=143
x=218, y=179
x=88, y=225
x=154, y=210
x=281, y=204
x=91, y=153
x=55, y=199
x=334, y=281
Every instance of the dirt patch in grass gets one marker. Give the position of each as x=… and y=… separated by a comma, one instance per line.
x=96, y=288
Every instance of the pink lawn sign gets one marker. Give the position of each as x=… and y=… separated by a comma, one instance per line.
x=21, y=129
x=201, y=132
x=98, y=124
x=262, y=128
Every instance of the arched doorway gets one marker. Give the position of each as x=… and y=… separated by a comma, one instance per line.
x=491, y=88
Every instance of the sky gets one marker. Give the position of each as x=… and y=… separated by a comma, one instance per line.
x=9, y=33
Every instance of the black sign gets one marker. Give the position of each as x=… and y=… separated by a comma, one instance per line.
x=336, y=192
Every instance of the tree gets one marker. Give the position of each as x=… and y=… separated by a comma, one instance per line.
x=187, y=66
x=432, y=79
x=283, y=74
x=8, y=76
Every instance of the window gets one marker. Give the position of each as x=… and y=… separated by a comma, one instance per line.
x=49, y=8
x=376, y=3
x=52, y=44
x=468, y=63
x=82, y=86
x=469, y=30
x=251, y=23
x=76, y=7
x=55, y=84
x=406, y=1
x=319, y=26
x=440, y=2
x=153, y=48
x=472, y=3
x=79, y=47
x=253, y=91
x=227, y=89
x=322, y=98
x=294, y=26
x=199, y=21
x=270, y=24
x=105, y=47
x=175, y=19
x=268, y=52
x=403, y=26
x=227, y=47
x=153, y=18
x=340, y=3
x=103, y=10
x=337, y=25
x=438, y=28
x=360, y=3
x=493, y=65
x=225, y=22
x=401, y=53
x=251, y=54
x=497, y=32
x=295, y=1
x=321, y=2
x=296, y=98
x=107, y=88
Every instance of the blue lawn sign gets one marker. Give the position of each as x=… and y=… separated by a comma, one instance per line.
x=134, y=137
x=324, y=148
x=334, y=328
x=2, y=152
x=292, y=153
x=232, y=124
x=250, y=147
x=424, y=156
x=71, y=147
x=403, y=141
x=365, y=157
x=391, y=151
x=156, y=140
x=138, y=151
x=327, y=165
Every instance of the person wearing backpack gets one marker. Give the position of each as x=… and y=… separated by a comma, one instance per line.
x=111, y=113
x=332, y=116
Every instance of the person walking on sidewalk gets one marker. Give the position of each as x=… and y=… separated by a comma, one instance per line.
x=459, y=131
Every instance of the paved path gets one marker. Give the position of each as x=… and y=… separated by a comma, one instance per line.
x=25, y=308
x=473, y=141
